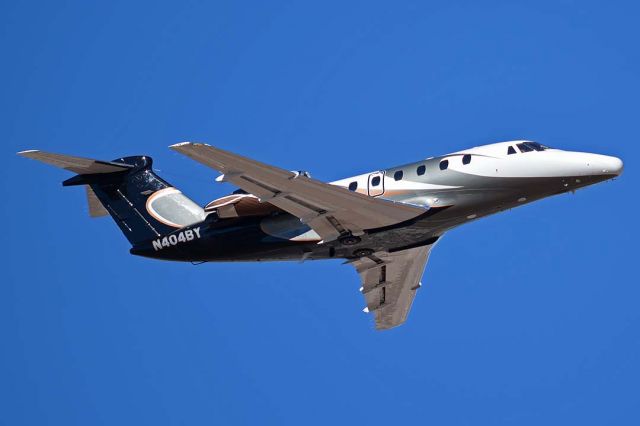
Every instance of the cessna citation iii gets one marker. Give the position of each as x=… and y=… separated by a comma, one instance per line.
x=384, y=223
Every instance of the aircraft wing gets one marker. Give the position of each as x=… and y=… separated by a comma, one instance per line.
x=390, y=282
x=329, y=210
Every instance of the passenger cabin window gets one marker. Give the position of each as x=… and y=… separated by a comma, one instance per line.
x=353, y=186
x=375, y=181
x=444, y=164
x=398, y=175
x=421, y=170
x=466, y=159
x=511, y=150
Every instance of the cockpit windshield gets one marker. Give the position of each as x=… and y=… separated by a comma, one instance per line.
x=531, y=146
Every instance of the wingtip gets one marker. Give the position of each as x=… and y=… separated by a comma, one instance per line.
x=180, y=144
x=26, y=152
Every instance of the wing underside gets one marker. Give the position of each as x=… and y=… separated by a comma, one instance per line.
x=329, y=210
x=390, y=282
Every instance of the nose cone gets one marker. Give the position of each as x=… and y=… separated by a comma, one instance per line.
x=599, y=165
x=568, y=163
x=609, y=165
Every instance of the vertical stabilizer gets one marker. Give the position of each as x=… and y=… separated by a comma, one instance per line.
x=143, y=205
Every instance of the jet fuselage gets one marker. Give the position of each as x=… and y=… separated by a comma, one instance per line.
x=453, y=189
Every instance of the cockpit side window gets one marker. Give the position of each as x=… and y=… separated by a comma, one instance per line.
x=466, y=159
x=353, y=186
x=511, y=150
x=536, y=146
x=523, y=147
x=531, y=146
x=444, y=164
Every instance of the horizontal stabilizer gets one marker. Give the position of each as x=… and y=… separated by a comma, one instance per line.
x=79, y=165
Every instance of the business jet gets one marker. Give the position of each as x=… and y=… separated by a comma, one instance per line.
x=384, y=223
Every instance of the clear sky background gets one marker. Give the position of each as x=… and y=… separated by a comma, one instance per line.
x=528, y=317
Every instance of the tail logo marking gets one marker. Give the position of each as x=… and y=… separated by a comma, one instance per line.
x=175, y=239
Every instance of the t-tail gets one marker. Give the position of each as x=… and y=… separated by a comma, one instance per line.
x=141, y=203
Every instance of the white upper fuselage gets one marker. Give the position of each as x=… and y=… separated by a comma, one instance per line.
x=493, y=160
x=488, y=178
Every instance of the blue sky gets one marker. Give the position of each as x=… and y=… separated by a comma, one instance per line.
x=528, y=317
